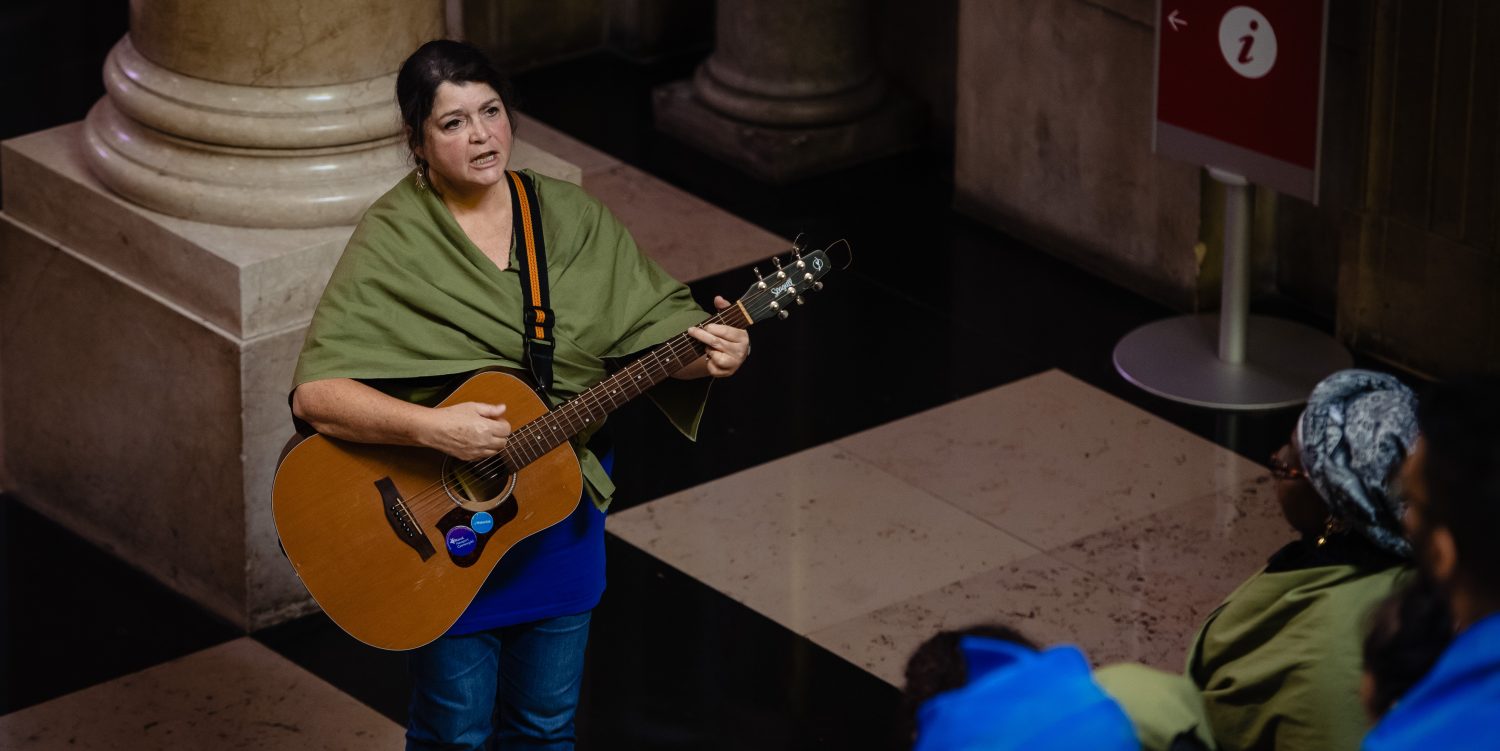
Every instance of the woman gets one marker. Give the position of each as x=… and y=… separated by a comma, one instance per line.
x=1278, y=664
x=428, y=291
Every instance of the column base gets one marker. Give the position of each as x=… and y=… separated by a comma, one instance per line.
x=783, y=155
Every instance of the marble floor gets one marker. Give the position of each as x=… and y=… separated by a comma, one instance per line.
x=1044, y=504
x=861, y=484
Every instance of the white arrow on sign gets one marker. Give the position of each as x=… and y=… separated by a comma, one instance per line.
x=1176, y=23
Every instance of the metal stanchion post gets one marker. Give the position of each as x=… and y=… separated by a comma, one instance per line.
x=1232, y=360
x=1234, y=303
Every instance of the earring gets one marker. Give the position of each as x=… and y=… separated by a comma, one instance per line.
x=1333, y=527
x=421, y=176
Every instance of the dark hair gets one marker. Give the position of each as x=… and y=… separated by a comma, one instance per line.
x=1460, y=425
x=1408, y=632
x=938, y=665
x=434, y=64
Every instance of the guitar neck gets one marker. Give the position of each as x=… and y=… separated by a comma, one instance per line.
x=589, y=408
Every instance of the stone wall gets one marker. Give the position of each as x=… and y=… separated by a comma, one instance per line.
x=522, y=34
x=644, y=30
x=1420, y=263
x=1053, y=140
x=917, y=46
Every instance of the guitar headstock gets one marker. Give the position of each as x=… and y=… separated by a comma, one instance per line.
x=774, y=293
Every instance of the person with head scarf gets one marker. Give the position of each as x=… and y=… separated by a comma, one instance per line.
x=1279, y=663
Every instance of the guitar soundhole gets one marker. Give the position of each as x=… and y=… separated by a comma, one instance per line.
x=477, y=486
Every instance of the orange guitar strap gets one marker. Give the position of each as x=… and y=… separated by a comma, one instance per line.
x=526, y=222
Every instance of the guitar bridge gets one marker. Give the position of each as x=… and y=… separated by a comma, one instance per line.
x=400, y=519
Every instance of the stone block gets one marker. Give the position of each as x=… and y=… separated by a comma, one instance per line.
x=245, y=281
x=1053, y=140
x=123, y=418
x=147, y=361
x=248, y=281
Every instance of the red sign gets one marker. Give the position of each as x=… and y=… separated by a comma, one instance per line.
x=1239, y=87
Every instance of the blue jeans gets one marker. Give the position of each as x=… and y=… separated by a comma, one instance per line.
x=517, y=685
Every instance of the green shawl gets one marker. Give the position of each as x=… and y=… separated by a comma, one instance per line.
x=413, y=303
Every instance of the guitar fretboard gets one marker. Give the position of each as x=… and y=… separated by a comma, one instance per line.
x=532, y=440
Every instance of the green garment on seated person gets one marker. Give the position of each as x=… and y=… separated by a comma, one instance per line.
x=412, y=299
x=1277, y=665
x=1279, y=662
x=1161, y=705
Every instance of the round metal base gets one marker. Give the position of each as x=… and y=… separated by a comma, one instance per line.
x=1178, y=358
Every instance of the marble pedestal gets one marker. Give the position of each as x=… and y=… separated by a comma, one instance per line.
x=146, y=362
x=781, y=155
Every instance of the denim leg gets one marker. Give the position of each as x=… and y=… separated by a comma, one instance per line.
x=454, y=697
x=541, y=672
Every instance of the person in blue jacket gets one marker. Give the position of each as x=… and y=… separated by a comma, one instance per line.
x=1453, y=518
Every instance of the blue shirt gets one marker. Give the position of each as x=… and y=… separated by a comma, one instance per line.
x=557, y=571
x=1457, y=704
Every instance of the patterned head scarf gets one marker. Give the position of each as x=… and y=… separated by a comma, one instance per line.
x=1357, y=429
x=1019, y=698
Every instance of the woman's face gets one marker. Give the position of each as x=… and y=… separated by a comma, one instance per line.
x=1300, y=503
x=467, y=138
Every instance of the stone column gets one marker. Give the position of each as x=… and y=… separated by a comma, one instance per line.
x=1053, y=141
x=791, y=90
x=159, y=264
x=273, y=113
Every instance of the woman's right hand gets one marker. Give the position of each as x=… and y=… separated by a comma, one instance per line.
x=467, y=431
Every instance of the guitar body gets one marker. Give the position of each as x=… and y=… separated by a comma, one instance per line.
x=367, y=527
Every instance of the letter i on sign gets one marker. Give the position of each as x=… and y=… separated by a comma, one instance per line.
x=1247, y=41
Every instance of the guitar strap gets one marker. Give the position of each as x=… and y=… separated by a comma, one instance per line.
x=537, y=318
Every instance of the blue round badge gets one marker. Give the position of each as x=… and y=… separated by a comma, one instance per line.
x=461, y=540
x=482, y=522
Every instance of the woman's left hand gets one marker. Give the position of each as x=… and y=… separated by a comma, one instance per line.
x=727, y=346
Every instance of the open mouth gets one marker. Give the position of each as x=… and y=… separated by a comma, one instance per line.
x=486, y=159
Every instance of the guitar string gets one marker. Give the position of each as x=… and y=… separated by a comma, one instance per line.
x=680, y=348
x=525, y=446
x=436, y=496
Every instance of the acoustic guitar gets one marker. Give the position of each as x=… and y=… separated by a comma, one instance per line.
x=394, y=542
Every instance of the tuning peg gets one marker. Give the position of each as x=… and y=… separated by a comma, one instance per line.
x=756, y=270
x=799, y=299
x=760, y=281
x=817, y=286
x=782, y=315
x=776, y=262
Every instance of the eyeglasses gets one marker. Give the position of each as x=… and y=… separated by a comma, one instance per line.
x=1281, y=470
